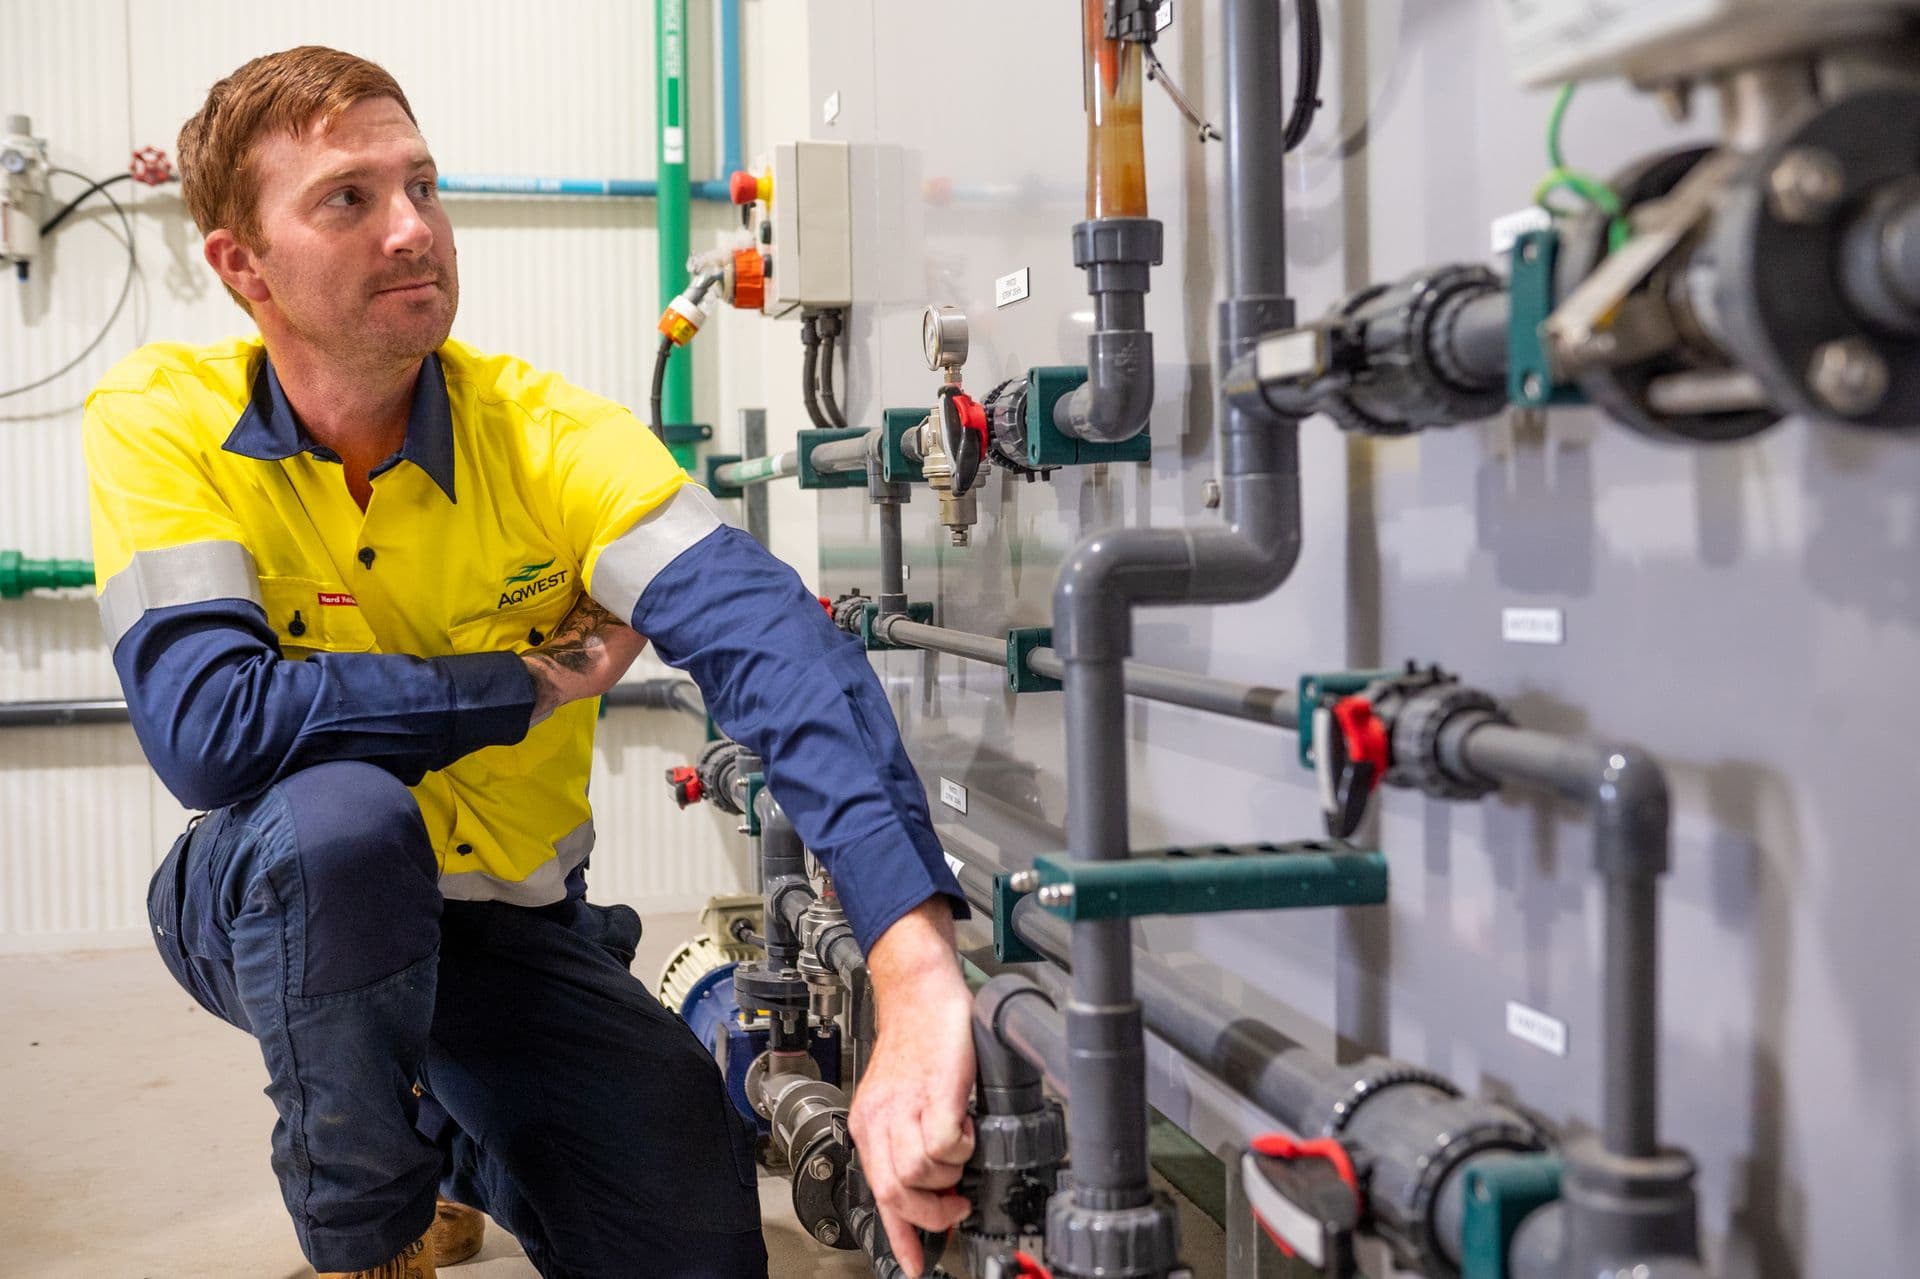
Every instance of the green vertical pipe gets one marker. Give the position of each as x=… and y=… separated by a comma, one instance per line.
x=670, y=55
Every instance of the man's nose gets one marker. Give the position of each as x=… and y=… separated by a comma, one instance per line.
x=407, y=232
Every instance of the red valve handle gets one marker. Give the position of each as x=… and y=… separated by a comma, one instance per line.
x=743, y=187
x=151, y=166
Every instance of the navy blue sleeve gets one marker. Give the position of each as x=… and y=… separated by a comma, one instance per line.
x=222, y=716
x=779, y=678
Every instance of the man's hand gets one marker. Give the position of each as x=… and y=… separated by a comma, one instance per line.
x=910, y=1114
x=584, y=657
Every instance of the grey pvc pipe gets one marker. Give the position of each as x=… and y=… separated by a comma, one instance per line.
x=1477, y=342
x=893, y=571
x=1630, y=1107
x=840, y=455
x=1250, y=1056
x=1257, y=702
x=898, y=629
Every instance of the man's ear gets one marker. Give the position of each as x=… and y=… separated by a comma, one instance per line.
x=236, y=264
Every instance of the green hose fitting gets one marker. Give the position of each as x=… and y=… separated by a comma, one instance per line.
x=18, y=574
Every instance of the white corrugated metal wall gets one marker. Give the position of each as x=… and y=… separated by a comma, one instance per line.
x=563, y=88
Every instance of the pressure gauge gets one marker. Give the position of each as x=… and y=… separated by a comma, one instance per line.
x=13, y=161
x=943, y=335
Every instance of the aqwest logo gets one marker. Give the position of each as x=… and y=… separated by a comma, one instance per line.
x=527, y=582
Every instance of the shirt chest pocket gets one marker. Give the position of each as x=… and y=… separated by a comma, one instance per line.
x=312, y=616
x=515, y=628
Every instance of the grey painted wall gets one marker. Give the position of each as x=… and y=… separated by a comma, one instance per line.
x=1751, y=614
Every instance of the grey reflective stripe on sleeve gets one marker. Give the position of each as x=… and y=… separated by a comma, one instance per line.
x=627, y=568
x=545, y=886
x=185, y=574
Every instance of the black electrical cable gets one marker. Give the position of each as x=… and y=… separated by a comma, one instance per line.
x=829, y=402
x=659, y=388
x=809, y=373
x=51, y=224
x=126, y=287
x=1306, y=94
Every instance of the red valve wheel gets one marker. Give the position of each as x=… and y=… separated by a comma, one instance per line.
x=151, y=166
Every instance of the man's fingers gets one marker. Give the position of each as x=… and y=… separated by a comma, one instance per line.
x=914, y=1164
x=904, y=1242
x=948, y=1136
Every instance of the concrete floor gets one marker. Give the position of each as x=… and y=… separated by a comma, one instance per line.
x=133, y=1137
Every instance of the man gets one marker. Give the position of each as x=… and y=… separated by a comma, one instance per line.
x=363, y=585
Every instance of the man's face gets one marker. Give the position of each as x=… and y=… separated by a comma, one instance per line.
x=359, y=263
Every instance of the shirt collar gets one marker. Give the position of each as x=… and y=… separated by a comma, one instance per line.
x=271, y=431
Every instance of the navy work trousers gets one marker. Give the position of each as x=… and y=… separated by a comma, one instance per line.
x=501, y=1055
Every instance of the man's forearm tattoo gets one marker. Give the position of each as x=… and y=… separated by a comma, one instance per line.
x=572, y=645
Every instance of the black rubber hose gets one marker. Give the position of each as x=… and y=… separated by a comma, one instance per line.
x=810, y=372
x=659, y=383
x=829, y=402
x=1306, y=94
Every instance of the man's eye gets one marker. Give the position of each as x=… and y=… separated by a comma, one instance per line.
x=345, y=199
x=425, y=188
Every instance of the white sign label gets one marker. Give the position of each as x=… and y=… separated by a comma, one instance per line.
x=673, y=145
x=1012, y=288
x=1536, y=1028
x=1511, y=226
x=1533, y=626
x=830, y=109
x=953, y=795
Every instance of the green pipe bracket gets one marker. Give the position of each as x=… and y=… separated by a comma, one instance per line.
x=714, y=462
x=1312, y=688
x=1206, y=879
x=895, y=466
x=1047, y=445
x=1500, y=1191
x=684, y=436
x=756, y=782
x=1008, y=948
x=1020, y=642
x=18, y=574
x=922, y=613
x=808, y=441
x=1531, y=299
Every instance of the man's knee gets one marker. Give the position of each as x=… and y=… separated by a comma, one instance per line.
x=369, y=887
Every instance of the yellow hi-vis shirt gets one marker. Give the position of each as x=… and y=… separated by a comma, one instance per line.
x=513, y=492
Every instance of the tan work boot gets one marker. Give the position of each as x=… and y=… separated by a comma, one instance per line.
x=414, y=1262
x=456, y=1232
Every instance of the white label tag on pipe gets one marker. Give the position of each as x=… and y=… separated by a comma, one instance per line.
x=1533, y=626
x=830, y=109
x=673, y=145
x=1012, y=288
x=1532, y=1026
x=1511, y=226
x=953, y=795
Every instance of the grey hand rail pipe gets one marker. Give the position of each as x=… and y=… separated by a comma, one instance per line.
x=758, y=470
x=1112, y=571
x=838, y=456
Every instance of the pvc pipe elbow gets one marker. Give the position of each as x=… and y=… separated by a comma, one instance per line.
x=1116, y=401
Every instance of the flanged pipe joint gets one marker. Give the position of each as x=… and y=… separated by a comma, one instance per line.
x=1117, y=398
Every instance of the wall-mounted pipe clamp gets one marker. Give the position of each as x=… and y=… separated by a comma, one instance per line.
x=1208, y=879
x=1021, y=641
x=1500, y=1191
x=856, y=614
x=811, y=474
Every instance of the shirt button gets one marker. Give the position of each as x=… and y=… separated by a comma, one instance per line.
x=366, y=557
x=534, y=637
x=464, y=849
